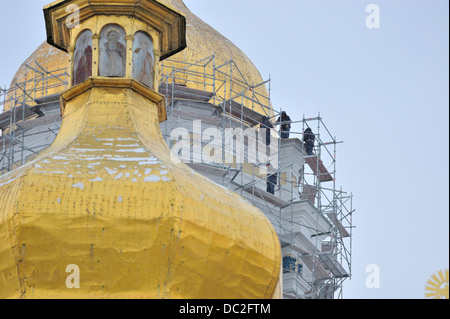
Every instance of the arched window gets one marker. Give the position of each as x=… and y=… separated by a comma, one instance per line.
x=113, y=51
x=82, y=57
x=143, y=59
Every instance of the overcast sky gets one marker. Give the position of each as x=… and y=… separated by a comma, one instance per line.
x=383, y=91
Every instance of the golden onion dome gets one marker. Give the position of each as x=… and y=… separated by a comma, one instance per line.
x=203, y=41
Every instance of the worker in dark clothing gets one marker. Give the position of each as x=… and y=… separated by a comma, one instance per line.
x=285, y=125
x=309, y=138
x=267, y=125
x=272, y=180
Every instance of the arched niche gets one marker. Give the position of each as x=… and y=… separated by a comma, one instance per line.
x=143, y=59
x=82, y=57
x=113, y=51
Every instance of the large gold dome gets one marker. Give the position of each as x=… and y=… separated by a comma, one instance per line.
x=202, y=42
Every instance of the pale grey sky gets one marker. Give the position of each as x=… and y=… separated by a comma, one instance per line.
x=384, y=92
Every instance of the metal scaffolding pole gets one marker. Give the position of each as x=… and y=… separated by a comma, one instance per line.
x=18, y=100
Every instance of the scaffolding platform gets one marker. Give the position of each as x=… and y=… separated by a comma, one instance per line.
x=209, y=169
x=46, y=120
x=240, y=111
x=318, y=168
x=18, y=113
x=344, y=233
x=320, y=272
x=199, y=116
x=330, y=263
x=269, y=198
x=178, y=91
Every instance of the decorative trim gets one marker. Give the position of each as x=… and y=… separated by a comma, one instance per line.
x=170, y=24
x=116, y=83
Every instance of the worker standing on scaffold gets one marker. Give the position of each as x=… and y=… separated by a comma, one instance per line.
x=309, y=138
x=285, y=125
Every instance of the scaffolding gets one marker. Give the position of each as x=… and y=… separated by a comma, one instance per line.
x=331, y=202
x=302, y=181
x=23, y=101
